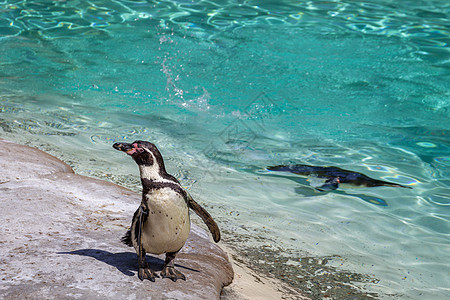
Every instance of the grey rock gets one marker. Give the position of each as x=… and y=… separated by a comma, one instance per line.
x=60, y=238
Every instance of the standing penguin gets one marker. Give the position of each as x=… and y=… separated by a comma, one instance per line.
x=161, y=224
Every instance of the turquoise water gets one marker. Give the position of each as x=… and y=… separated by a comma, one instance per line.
x=226, y=88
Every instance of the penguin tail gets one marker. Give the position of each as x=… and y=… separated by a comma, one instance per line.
x=397, y=185
x=126, y=239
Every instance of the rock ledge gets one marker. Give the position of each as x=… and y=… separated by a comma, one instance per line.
x=61, y=231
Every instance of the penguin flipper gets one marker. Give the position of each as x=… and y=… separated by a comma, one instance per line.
x=127, y=238
x=206, y=217
x=144, y=272
x=329, y=185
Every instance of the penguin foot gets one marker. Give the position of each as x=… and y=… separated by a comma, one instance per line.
x=172, y=273
x=146, y=273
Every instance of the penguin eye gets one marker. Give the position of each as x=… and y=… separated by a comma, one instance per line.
x=143, y=149
x=146, y=156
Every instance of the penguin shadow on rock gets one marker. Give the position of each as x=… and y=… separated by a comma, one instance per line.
x=316, y=180
x=125, y=262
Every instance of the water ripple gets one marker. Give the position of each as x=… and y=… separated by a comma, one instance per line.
x=425, y=25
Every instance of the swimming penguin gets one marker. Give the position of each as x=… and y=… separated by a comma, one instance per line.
x=161, y=224
x=333, y=177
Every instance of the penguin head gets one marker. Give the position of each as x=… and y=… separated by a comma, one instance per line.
x=144, y=153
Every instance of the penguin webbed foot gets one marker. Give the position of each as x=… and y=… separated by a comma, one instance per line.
x=169, y=270
x=172, y=273
x=146, y=273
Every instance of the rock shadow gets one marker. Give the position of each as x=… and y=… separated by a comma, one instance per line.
x=125, y=262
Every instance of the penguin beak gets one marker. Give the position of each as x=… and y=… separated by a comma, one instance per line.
x=125, y=147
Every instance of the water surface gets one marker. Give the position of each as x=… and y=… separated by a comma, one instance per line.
x=226, y=88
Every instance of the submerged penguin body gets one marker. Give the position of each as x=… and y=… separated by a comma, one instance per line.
x=334, y=177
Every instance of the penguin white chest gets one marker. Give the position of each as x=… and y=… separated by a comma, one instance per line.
x=168, y=225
